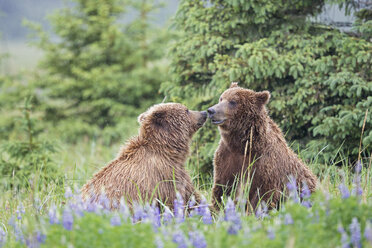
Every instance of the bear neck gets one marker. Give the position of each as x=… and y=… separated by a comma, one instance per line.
x=175, y=150
x=238, y=139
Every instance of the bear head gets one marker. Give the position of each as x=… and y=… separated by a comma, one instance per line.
x=238, y=106
x=170, y=122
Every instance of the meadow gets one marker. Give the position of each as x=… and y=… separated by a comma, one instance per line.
x=337, y=215
x=67, y=107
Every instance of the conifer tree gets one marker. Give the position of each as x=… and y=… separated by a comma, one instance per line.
x=320, y=78
x=100, y=71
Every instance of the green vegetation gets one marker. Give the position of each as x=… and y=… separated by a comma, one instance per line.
x=104, y=63
x=320, y=78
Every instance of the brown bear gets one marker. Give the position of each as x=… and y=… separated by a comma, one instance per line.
x=150, y=167
x=252, y=150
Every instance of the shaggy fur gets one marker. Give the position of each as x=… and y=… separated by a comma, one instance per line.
x=151, y=165
x=249, y=135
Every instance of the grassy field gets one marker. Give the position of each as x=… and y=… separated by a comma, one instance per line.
x=54, y=216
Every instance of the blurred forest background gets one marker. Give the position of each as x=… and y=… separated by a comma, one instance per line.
x=90, y=67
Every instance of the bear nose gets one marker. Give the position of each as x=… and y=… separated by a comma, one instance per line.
x=204, y=114
x=211, y=112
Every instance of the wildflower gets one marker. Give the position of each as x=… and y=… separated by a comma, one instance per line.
x=355, y=235
x=40, y=237
x=2, y=236
x=344, y=191
x=291, y=185
x=305, y=191
x=68, y=193
x=167, y=216
x=158, y=242
x=358, y=190
x=306, y=204
x=194, y=210
x=139, y=213
x=292, y=188
x=17, y=230
x=203, y=210
x=124, y=210
x=104, y=201
x=270, y=233
x=67, y=219
x=115, y=220
x=53, y=219
x=368, y=233
x=262, y=211
x=288, y=219
x=233, y=217
x=20, y=210
x=344, y=237
x=197, y=239
x=179, y=209
x=154, y=214
x=179, y=239
x=358, y=167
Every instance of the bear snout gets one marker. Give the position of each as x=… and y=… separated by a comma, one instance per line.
x=211, y=112
x=202, y=118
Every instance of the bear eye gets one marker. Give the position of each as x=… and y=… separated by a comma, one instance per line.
x=187, y=111
x=220, y=99
x=232, y=103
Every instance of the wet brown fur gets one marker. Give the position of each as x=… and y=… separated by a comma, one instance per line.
x=151, y=165
x=273, y=160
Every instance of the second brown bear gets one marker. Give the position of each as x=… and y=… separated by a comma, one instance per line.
x=150, y=166
x=250, y=137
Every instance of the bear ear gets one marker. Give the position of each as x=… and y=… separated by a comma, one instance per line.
x=233, y=85
x=141, y=117
x=263, y=97
x=159, y=117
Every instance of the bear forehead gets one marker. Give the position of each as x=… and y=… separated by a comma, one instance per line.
x=167, y=107
x=237, y=92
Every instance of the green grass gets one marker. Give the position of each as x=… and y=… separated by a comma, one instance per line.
x=314, y=227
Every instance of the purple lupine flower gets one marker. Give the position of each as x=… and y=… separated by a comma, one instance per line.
x=197, y=239
x=158, y=242
x=291, y=185
x=2, y=236
x=91, y=206
x=115, y=220
x=292, y=189
x=270, y=233
x=139, y=213
x=17, y=230
x=104, y=201
x=368, y=233
x=233, y=217
x=53, y=219
x=179, y=209
x=358, y=167
x=344, y=191
x=68, y=193
x=179, y=239
x=358, y=190
x=262, y=211
x=194, y=210
x=124, y=210
x=154, y=215
x=40, y=237
x=67, y=219
x=20, y=210
x=167, y=216
x=288, y=219
x=344, y=237
x=306, y=204
x=355, y=235
x=305, y=191
x=203, y=210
